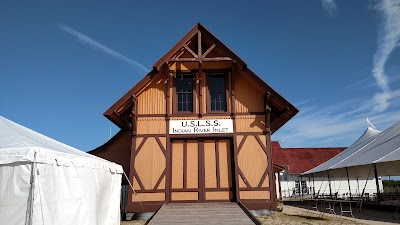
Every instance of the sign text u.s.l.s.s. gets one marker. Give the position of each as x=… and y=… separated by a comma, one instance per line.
x=212, y=126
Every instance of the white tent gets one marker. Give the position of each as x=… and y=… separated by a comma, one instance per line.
x=43, y=181
x=381, y=149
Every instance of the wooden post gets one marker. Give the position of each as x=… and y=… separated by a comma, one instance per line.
x=200, y=90
x=348, y=182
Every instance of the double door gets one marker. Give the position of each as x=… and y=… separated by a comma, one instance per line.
x=201, y=170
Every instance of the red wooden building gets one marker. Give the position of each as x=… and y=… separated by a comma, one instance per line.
x=197, y=128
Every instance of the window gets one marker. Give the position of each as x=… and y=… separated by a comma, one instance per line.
x=184, y=92
x=217, y=89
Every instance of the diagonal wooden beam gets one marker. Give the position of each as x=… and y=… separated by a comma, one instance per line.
x=209, y=50
x=244, y=178
x=200, y=59
x=190, y=51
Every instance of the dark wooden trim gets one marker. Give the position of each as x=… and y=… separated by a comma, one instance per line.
x=200, y=90
x=250, y=113
x=263, y=177
x=168, y=175
x=199, y=47
x=139, y=181
x=161, y=145
x=248, y=213
x=259, y=204
x=256, y=189
x=141, y=145
x=241, y=143
x=131, y=167
x=147, y=206
x=235, y=153
x=151, y=135
x=150, y=115
x=184, y=136
x=243, y=178
x=213, y=59
x=160, y=179
x=167, y=91
x=218, y=177
x=202, y=183
x=151, y=191
x=208, y=75
x=264, y=148
x=190, y=51
x=249, y=133
x=217, y=189
x=233, y=93
x=281, y=117
x=185, y=190
x=175, y=97
x=270, y=168
x=267, y=118
x=209, y=50
x=185, y=164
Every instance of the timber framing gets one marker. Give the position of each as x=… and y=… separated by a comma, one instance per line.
x=200, y=33
x=234, y=164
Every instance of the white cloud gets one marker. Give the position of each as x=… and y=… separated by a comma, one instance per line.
x=329, y=7
x=96, y=45
x=388, y=41
x=336, y=125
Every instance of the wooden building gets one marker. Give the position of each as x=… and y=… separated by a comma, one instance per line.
x=197, y=128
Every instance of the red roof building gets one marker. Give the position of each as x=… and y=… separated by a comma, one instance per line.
x=300, y=160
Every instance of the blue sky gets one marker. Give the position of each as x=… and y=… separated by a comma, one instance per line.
x=62, y=64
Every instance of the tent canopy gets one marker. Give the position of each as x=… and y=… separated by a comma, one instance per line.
x=43, y=181
x=19, y=144
x=373, y=147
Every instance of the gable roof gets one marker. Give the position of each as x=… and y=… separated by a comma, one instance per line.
x=299, y=160
x=114, y=112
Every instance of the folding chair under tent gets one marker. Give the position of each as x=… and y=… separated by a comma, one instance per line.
x=43, y=181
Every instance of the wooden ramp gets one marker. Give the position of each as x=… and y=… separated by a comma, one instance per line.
x=203, y=213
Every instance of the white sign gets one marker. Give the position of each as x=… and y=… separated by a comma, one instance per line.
x=213, y=126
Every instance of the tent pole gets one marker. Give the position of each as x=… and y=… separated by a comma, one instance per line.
x=313, y=185
x=348, y=182
x=378, y=193
x=358, y=186
x=301, y=188
x=330, y=188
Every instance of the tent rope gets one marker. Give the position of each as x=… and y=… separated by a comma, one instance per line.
x=130, y=184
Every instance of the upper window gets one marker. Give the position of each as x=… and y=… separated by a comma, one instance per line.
x=184, y=92
x=217, y=89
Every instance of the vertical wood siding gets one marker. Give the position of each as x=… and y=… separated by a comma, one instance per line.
x=118, y=151
x=252, y=160
x=250, y=123
x=248, y=97
x=150, y=163
x=151, y=125
x=152, y=99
